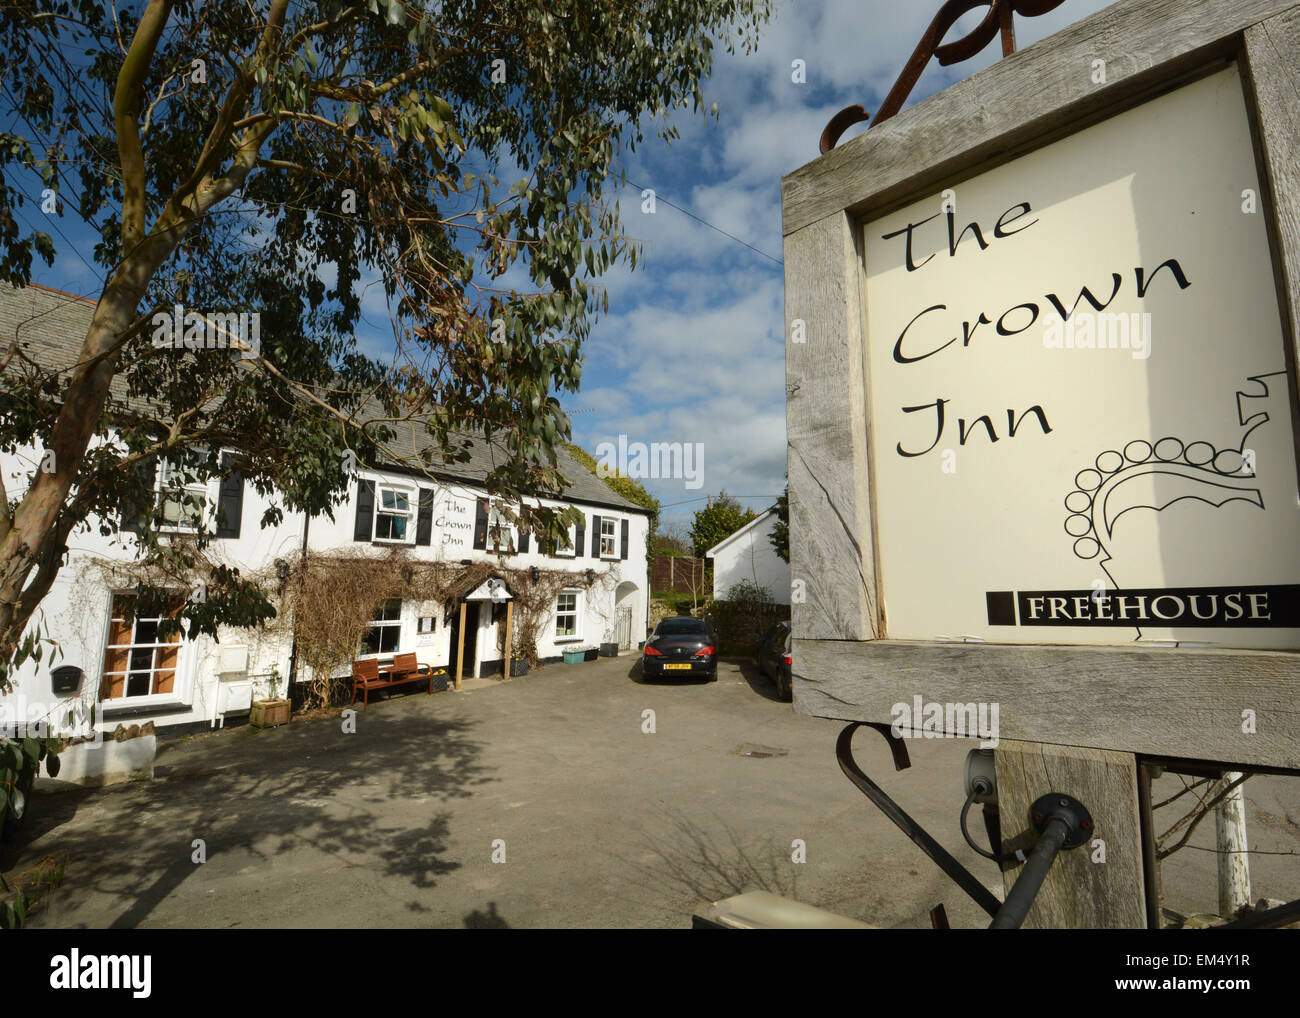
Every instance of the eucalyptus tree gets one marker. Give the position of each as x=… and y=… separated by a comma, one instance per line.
x=273, y=157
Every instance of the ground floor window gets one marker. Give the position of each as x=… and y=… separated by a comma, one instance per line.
x=385, y=633
x=139, y=660
x=566, y=614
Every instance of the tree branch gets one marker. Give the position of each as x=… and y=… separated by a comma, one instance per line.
x=126, y=108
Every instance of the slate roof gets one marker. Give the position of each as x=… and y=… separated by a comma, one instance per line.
x=51, y=325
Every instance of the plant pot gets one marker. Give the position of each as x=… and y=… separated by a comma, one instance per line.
x=268, y=713
x=590, y=654
x=573, y=657
x=609, y=650
x=519, y=666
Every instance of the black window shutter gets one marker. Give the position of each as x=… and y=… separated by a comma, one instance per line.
x=424, y=522
x=525, y=539
x=595, y=537
x=146, y=474
x=365, y=527
x=579, y=537
x=230, y=500
x=622, y=543
x=481, y=525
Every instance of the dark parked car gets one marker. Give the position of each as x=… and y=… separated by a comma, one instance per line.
x=682, y=646
x=772, y=655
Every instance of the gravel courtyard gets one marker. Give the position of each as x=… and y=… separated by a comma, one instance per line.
x=600, y=824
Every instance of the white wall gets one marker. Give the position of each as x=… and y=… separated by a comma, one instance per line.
x=751, y=557
x=76, y=614
x=77, y=609
x=454, y=515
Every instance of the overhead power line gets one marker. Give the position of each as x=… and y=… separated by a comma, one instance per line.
x=705, y=222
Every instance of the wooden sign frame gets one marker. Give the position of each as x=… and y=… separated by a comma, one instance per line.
x=1166, y=701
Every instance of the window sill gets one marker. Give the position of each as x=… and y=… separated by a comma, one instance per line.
x=127, y=707
x=567, y=639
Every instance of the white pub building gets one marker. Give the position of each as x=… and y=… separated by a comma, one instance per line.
x=131, y=675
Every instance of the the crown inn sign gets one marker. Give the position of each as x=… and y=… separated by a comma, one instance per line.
x=1042, y=393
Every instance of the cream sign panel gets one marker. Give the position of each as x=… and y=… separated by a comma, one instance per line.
x=1080, y=421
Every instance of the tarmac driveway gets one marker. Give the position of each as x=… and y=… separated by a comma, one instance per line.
x=534, y=802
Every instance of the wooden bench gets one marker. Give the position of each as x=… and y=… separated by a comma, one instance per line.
x=368, y=676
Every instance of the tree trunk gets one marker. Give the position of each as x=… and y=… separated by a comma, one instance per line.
x=35, y=538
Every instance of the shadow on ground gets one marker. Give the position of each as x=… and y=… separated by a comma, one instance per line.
x=682, y=860
x=260, y=795
x=758, y=682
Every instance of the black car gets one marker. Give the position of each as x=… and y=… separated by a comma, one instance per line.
x=681, y=646
x=772, y=655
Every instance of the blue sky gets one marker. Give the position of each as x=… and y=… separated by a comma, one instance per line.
x=692, y=347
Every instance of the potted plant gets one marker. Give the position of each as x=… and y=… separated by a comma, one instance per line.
x=518, y=665
x=272, y=711
x=574, y=655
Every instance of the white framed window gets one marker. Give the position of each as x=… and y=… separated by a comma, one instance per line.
x=572, y=550
x=500, y=534
x=182, y=497
x=608, y=537
x=394, y=514
x=566, y=615
x=385, y=633
x=139, y=661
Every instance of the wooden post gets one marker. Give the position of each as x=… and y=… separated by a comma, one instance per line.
x=460, y=646
x=1098, y=885
x=510, y=614
x=1234, y=867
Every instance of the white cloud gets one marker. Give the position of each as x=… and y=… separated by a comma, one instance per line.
x=693, y=349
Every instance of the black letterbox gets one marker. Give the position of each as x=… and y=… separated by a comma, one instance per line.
x=66, y=680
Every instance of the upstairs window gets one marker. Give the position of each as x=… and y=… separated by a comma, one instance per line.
x=500, y=534
x=608, y=537
x=393, y=514
x=182, y=498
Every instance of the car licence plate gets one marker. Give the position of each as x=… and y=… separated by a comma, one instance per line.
x=679, y=667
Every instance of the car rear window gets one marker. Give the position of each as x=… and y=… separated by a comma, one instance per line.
x=681, y=627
